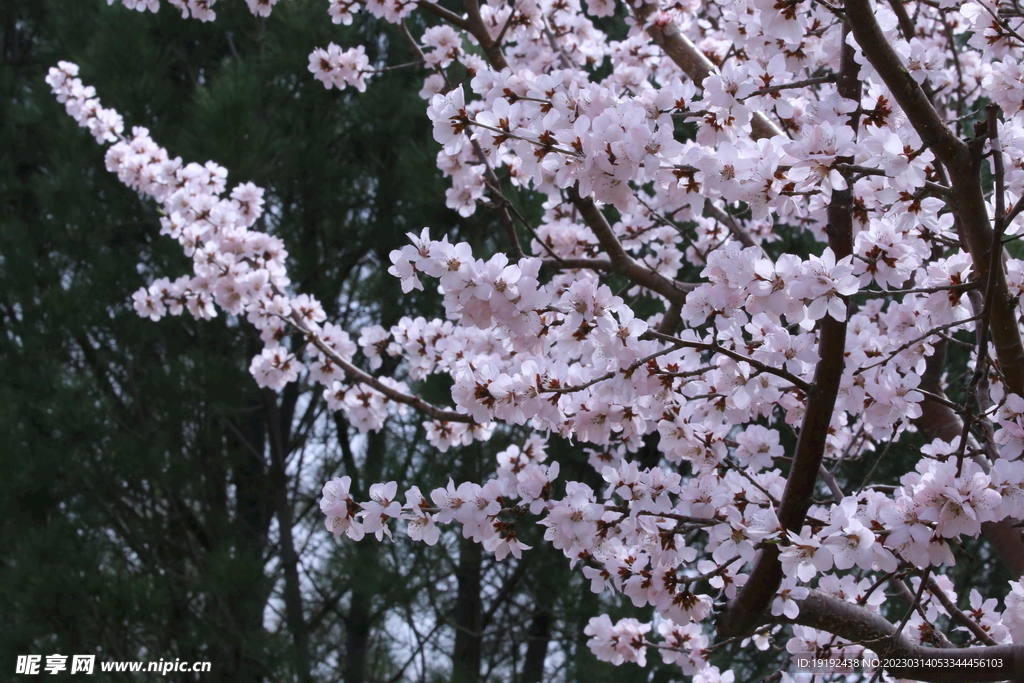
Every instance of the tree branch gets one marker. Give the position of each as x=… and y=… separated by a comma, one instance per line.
x=860, y=625
x=449, y=16
x=735, y=355
x=958, y=615
x=729, y=221
x=994, y=266
x=939, y=421
x=475, y=25
x=908, y=94
x=365, y=378
x=622, y=262
x=907, y=27
x=575, y=263
x=502, y=202
x=694, y=63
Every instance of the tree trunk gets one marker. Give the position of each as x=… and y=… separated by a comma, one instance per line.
x=538, y=636
x=280, y=429
x=468, y=615
x=247, y=599
x=359, y=621
x=366, y=583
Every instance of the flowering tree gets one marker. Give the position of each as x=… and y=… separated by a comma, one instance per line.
x=889, y=133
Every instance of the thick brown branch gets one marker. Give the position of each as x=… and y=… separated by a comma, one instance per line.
x=449, y=16
x=475, y=25
x=693, y=62
x=860, y=625
x=907, y=27
x=622, y=262
x=994, y=267
x=671, y=321
x=909, y=95
x=553, y=264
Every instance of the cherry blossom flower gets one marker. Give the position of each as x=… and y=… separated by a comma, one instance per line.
x=786, y=602
x=823, y=285
x=340, y=509
x=805, y=556
x=620, y=642
x=380, y=508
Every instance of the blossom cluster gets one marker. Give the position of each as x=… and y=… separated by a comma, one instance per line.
x=236, y=269
x=656, y=538
x=197, y=9
x=337, y=68
x=81, y=103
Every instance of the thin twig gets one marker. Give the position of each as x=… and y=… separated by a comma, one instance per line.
x=735, y=355
x=515, y=250
x=914, y=342
x=958, y=614
x=786, y=86
x=449, y=16
x=994, y=266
